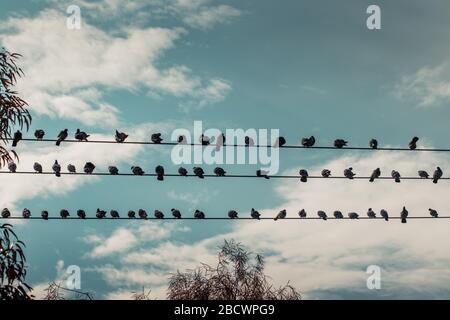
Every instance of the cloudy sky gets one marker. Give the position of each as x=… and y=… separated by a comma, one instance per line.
x=303, y=67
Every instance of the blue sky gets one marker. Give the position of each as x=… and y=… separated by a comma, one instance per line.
x=303, y=67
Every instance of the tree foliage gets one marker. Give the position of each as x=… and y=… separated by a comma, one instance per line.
x=239, y=275
x=13, y=109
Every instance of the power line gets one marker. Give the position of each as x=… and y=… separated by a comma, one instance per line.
x=219, y=218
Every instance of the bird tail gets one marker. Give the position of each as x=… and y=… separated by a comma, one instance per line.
x=14, y=143
x=58, y=142
x=160, y=178
x=397, y=180
x=372, y=179
x=58, y=174
x=275, y=219
x=435, y=180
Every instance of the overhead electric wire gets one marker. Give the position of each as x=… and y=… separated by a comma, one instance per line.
x=217, y=218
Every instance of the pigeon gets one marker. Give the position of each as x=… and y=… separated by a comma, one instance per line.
x=44, y=214
x=384, y=214
x=71, y=168
x=137, y=171
x=182, y=139
x=81, y=135
x=120, y=136
x=326, y=173
x=39, y=134
x=199, y=172
x=81, y=214
x=281, y=141
x=255, y=214
x=204, y=140
x=302, y=213
x=413, y=143
x=56, y=169
x=423, y=174
x=182, y=171
x=26, y=213
x=6, y=213
x=100, y=214
x=249, y=142
x=371, y=214
x=262, y=173
x=218, y=171
x=17, y=138
x=62, y=136
x=338, y=215
x=37, y=167
x=375, y=174
x=404, y=215
x=433, y=213
x=159, y=214
x=142, y=214
x=131, y=214
x=373, y=144
x=303, y=175
x=199, y=214
x=396, y=175
x=232, y=214
x=176, y=213
x=89, y=167
x=349, y=173
x=280, y=215
x=113, y=170
x=64, y=213
x=353, y=215
x=437, y=175
x=114, y=214
x=12, y=167
x=308, y=142
x=322, y=214
x=340, y=143
x=159, y=170
x=156, y=138
x=220, y=141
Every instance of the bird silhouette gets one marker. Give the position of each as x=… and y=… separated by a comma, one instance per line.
x=159, y=214
x=433, y=213
x=371, y=214
x=396, y=176
x=131, y=214
x=176, y=213
x=373, y=143
x=137, y=171
x=280, y=215
x=220, y=141
x=81, y=214
x=100, y=214
x=89, y=167
x=384, y=214
x=199, y=172
x=218, y=171
x=26, y=213
x=375, y=174
x=232, y=214
x=423, y=174
x=113, y=170
x=44, y=214
x=413, y=143
x=302, y=213
x=17, y=137
x=204, y=140
x=249, y=142
x=348, y=173
x=120, y=136
x=340, y=143
x=338, y=215
x=326, y=173
x=255, y=214
x=182, y=139
x=308, y=142
x=437, y=175
x=6, y=213
x=39, y=134
x=262, y=173
x=12, y=167
x=71, y=168
x=353, y=215
x=322, y=214
x=199, y=214
x=404, y=215
x=81, y=135
x=142, y=214
x=56, y=169
x=182, y=171
x=159, y=170
x=303, y=175
x=156, y=138
x=279, y=142
x=62, y=136
x=64, y=213
x=114, y=214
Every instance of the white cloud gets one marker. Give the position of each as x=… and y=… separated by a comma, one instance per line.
x=207, y=17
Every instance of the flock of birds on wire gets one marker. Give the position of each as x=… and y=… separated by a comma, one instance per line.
x=232, y=214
